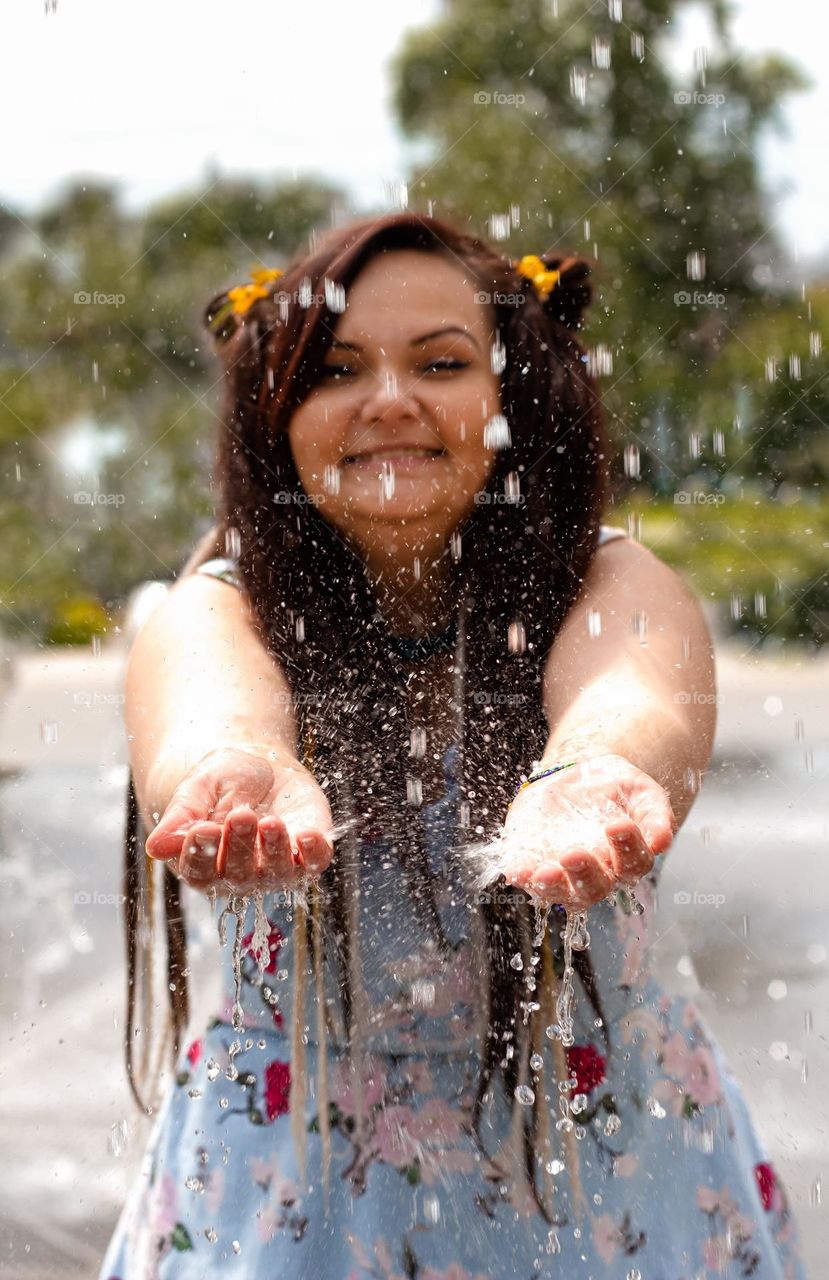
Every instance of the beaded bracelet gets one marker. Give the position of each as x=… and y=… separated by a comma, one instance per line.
x=545, y=773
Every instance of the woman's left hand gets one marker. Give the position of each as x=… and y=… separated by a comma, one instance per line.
x=580, y=833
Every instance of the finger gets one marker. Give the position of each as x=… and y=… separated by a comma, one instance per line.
x=650, y=807
x=237, y=851
x=275, y=861
x=588, y=877
x=550, y=882
x=314, y=852
x=198, y=862
x=632, y=858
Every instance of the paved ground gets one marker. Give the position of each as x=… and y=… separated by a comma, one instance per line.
x=743, y=909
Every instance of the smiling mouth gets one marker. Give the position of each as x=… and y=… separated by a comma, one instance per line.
x=391, y=455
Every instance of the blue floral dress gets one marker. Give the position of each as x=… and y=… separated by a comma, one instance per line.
x=675, y=1182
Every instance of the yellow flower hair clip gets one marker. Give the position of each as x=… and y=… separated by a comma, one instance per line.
x=534, y=269
x=243, y=296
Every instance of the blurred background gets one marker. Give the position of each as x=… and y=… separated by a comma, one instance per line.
x=155, y=154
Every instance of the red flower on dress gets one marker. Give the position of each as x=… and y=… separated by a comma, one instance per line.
x=587, y=1065
x=275, y=941
x=278, y=1020
x=766, y=1183
x=277, y=1088
x=194, y=1052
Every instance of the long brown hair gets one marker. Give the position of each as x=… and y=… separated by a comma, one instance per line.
x=516, y=569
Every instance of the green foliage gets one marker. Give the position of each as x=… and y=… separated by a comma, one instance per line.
x=109, y=400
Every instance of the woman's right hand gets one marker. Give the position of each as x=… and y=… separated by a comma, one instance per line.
x=238, y=821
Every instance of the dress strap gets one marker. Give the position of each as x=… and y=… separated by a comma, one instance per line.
x=607, y=532
x=224, y=568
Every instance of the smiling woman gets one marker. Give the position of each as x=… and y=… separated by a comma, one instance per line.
x=391, y=441
x=424, y=611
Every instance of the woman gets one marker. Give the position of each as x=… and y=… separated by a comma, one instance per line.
x=409, y=604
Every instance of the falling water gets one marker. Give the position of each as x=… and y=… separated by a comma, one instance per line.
x=237, y=906
x=576, y=938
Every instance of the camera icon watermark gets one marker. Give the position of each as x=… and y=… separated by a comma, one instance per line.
x=698, y=298
x=484, y=499
x=684, y=898
x=283, y=497
x=95, y=698
x=687, y=698
x=85, y=299
x=691, y=98
x=499, y=299
x=698, y=497
x=497, y=698
x=484, y=99
x=93, y=498
x=83, y=898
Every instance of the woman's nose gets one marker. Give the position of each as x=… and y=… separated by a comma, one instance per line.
x=391, y=393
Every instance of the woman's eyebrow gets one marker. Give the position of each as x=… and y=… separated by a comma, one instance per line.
x=424, y=337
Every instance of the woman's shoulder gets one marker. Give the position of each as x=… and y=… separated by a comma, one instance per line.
x=226, y=568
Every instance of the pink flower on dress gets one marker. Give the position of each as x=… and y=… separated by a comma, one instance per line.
x=277, y=1088
x=393, y=1137
x=694, y=1068
x=374, y=1085
x=454, y=1272
x=607, y=1238
x=165, y=1216
x=587, y=1065
x=766, y=1184
x=194, y=1053
x=648, y=1024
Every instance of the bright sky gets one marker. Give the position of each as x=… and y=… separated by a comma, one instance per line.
x=151, y=92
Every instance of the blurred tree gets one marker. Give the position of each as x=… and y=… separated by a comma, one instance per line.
x=108, y=397
x=564, y=127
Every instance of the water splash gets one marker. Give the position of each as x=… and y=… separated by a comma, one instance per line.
x=237, y=906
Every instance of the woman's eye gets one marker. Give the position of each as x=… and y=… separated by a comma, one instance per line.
x=341, y=370
x=448, y=364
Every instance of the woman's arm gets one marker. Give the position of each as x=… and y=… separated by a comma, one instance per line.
x=629, y=695
x=645, y=692
x=199, y=678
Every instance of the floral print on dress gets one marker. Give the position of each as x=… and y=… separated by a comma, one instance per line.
x=415, y=1193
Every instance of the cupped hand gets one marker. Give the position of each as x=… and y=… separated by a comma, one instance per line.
x=579, y=834
x=236, y=822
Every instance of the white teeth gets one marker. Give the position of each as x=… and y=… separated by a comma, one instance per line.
x=398, y=453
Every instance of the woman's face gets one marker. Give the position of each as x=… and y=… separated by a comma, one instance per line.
x=390, y=442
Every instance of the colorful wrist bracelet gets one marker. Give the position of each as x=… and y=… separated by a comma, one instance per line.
x=545, y=773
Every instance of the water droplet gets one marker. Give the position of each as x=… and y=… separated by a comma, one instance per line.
x=118, y=1137
x=578, y=84
x=655, y=1108
x=600, y=53
x=536, y=1062
x=695, y=265
x=517, y=637
x=497, y=433
x=632, y=461
x=777, y=989
x=516, y=962
x=524, y=1095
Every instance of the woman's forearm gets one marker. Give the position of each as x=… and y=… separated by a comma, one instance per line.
x=618, y=715
x=632, y=674
x=198, y=678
